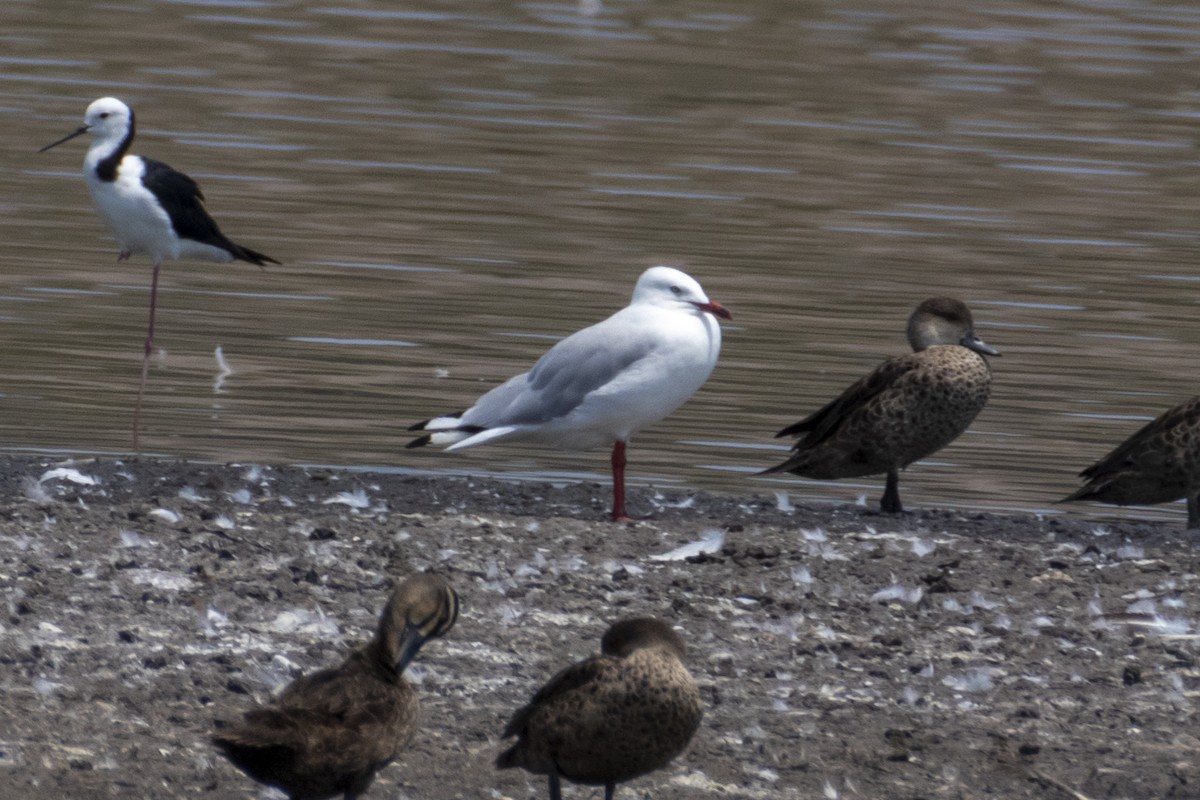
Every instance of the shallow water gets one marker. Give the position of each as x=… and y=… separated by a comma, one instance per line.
x=452, y=185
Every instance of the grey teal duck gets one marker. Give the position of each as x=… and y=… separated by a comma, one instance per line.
x=1158, y=464
x=906, y=409
x=329, y=732
x=611, y=717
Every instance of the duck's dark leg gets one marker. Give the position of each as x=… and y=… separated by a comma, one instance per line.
x=609, y=788
x=618, y=478
x=555, y=787
x=137, y=409
x=890, y=504
x=1193, y=511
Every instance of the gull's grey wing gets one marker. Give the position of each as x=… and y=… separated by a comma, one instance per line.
x=563, y=377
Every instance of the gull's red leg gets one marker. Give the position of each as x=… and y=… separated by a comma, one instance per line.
x=618, y=475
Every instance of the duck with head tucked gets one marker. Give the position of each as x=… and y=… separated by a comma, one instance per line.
x=611, y=717
x=329, y=732
x=906, y=409
x=1160, y=463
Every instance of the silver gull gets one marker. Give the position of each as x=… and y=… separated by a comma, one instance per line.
x=601, y=384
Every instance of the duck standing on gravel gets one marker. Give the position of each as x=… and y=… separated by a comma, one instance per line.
x=612, y=717
x=600, y=384
x=330, y=732
x=906, y=409
x=1158, y=464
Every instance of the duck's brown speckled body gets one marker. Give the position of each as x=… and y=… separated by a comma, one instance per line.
x=906, y=409
x=328, y=733
x=612, y=717
x=1158, y=464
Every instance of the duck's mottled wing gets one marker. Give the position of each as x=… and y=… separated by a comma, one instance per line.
x=271, y=745
x=274, y=736
x=825, y=422
x=349, y=697
x=1159, y=441
x=306, y=753
x=566, y=681
x=327, y=691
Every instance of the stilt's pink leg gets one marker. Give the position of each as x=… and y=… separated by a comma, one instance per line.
x=137, y=409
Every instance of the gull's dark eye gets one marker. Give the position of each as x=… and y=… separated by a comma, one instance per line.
x=676, y=290
x=103, y=115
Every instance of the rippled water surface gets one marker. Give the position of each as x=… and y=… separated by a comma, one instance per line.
x=452, y=185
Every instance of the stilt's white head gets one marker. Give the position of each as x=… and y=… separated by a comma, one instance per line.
x=106, y=119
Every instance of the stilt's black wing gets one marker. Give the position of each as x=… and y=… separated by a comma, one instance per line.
x=183, y=201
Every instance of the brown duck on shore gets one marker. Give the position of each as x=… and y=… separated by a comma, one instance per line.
x=1158, y=464
x=908, y=408
x=611, y=717
x=329, y=732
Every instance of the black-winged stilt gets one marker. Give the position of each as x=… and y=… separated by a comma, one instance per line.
x=601, y=384
x=149, y=207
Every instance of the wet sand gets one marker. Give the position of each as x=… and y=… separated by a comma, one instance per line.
x=841, y=653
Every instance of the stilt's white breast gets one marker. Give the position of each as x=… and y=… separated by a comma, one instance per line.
x=131, y=211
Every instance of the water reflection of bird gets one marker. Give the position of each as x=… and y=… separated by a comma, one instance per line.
x=1159, y=463
x=612, y=717
x=601, y=384
x=328, y=733
x=149, y=207
x=906, y=409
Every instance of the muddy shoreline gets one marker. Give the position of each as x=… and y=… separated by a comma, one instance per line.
x=841, y=653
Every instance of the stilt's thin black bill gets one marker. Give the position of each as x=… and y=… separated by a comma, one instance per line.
x=82, y=130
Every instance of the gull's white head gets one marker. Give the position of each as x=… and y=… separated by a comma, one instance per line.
x=106, y=119
x=667, y=286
